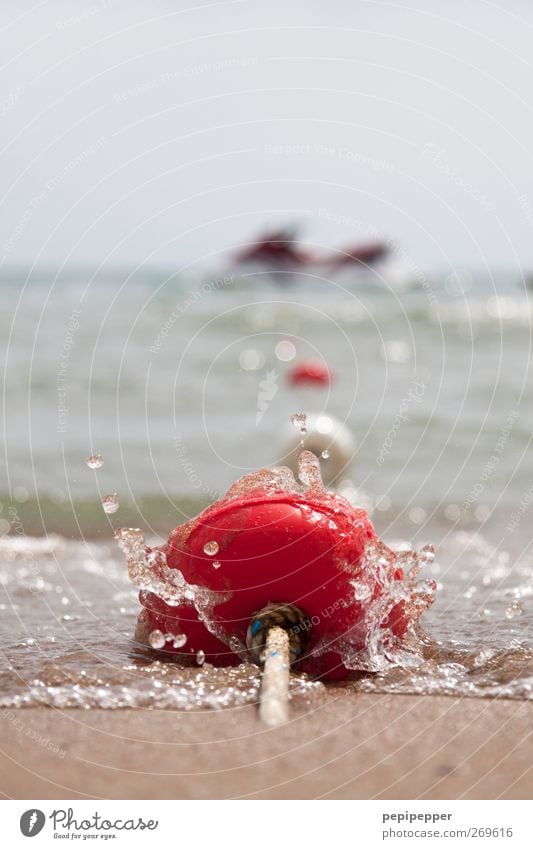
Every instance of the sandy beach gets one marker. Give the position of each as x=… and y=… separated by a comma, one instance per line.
x=344, y=746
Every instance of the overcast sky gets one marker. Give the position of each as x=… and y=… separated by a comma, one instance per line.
x=147, y=132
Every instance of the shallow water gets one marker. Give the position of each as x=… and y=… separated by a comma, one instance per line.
x=162, y=374
x=69, y=614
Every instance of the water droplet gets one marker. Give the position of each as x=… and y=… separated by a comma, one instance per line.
x=235, y=644
x=325, y=454
x=110, y=502
x=514, y=609
x=180, y=640
x=299, y=420
x=157, y=639
x=427, y=554
x=309, y=470
x=211, y=548
x=200, y=658
x=95, y=461
x=216, y=564
x=362, y=592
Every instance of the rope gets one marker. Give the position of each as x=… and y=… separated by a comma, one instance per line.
x=276, y=637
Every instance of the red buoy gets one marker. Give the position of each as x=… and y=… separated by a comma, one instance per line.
x=312, y=372
x=276, y=553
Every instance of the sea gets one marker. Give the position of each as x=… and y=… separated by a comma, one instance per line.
x=181, y=381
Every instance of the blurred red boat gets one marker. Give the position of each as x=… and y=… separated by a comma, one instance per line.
x=280, y=255
x=368, y=254
x=276, y=249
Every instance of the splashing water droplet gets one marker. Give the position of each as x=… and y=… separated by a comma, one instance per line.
x=235, y=644
x=180, y=640
x=157, y=639
x=200, y=658
x=95, y=461
x=211, y=548
x=309, y=470
x=325, y=454
x=299, y=420
x=514, y=609
x=110, y=502
x=427, y=554
x=362, y=591
x=216, y=564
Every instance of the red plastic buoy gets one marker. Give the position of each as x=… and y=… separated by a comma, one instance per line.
x=313, y=372
x=273, y=551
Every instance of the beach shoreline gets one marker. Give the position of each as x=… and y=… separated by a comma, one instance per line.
x=339, y=746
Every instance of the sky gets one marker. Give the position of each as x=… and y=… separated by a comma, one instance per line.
x=168, y=133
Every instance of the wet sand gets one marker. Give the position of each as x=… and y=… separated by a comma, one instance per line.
x=343, y=746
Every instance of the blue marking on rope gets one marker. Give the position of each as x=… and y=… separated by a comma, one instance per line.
x=256, y=627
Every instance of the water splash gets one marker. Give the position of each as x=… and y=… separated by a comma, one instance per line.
x=110, y=502
x=157, y=639
x=95, y=461
x=299, y=420
x=474, y=649
x=401, y=593
x=513, y=610
x=309, y=471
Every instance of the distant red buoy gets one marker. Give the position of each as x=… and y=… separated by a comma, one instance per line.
x=310, y=371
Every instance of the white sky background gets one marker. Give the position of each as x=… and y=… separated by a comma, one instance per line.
x=182, y=169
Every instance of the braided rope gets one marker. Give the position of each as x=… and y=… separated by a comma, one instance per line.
x=289, y=618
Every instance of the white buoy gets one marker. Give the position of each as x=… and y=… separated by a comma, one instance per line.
x=326, y=437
